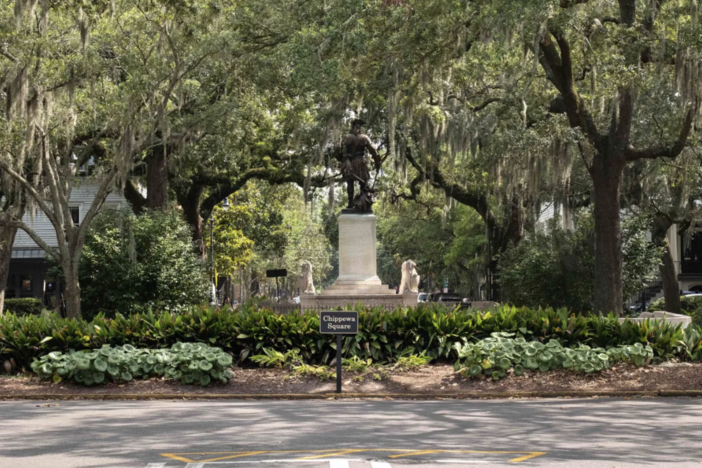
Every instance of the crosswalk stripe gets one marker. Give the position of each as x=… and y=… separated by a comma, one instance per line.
x=338, y=464
x=380, y=464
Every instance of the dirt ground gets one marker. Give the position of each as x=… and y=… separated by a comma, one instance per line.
x=427, y=380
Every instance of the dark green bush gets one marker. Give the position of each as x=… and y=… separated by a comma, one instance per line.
x=550, y=267
x=133, y=264
x=383, y=335
x=23, y=306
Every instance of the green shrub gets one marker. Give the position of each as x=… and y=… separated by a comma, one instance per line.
x=549, y=267
x=133, y=264
x=354, y=364
x=24, y=306
x=494, y=356
x=186, y=362
x=292, y=361
x=412, y=362
x=691, y=344
x=273, y=358
x=384, y=336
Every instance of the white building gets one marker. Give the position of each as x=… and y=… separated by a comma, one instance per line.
x=29, y=266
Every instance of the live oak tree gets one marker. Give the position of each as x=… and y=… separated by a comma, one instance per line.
x=28, y=114
x=611, y=82
x=644, y=78
x=242, y=117
x=669, y=193
x=122, y=67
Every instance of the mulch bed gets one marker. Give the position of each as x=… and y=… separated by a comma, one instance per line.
x=433, y=379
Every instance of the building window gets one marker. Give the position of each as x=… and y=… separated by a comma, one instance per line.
x=75, y=214
x=26, y=288
x=10, y=288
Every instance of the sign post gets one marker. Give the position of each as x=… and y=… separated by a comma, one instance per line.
x=276, y=274
x=342, y=322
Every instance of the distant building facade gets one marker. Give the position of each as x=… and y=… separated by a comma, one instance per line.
x=28, y=277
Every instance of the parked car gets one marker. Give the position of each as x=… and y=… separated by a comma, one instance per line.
x=450, y=299
x=638, y=307
x=422, y=297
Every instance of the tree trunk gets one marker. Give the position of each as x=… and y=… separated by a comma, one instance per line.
x=71, y=292
x=133, y=196
x=7, y=239
x=501, y=237
x=606, y=177
x=190, y=203
x=157, y=179
x=671, y=291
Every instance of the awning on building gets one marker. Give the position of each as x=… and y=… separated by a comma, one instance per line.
x=28, y=253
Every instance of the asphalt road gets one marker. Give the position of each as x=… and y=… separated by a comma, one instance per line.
x=352, y=434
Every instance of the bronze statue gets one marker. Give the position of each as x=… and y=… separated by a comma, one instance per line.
x=355, y=167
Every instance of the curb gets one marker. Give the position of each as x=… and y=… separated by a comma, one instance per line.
x=364, y=396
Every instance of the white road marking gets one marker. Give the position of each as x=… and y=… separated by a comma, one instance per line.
x=195, y=465
x=380, y=464
x=344, y=462
x=463, y=461
x=338, y=464
x=155, y=465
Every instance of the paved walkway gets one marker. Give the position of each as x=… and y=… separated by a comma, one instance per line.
x=352, y=434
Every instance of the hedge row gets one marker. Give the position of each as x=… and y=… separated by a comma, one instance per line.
x=23, y=306
x=383, y=336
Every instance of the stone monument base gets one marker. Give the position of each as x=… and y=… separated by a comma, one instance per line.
x=358, y=279
x=661, y=316
x=388, y=300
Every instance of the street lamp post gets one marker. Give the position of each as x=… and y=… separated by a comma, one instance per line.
x=212, y=247
x=212, y=259
x=225, y=207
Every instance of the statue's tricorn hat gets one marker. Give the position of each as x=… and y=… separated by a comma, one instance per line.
x=358, y=122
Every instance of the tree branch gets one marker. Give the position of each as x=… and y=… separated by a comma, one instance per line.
x=627, y=12
x=475, y=199
x=6, y=220
x=8, y=55
x=626, y=112
x=670, y=151
x=560, y=68
x=271, y=175
x=483, y=105
x=28, y=187
x=570, y=3
x=100, y=195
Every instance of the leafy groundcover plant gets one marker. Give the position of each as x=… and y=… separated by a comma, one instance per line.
x=187, y=362
x=494, y=356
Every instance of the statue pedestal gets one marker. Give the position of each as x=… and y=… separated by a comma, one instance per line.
x=358, y=278
x=357, y=256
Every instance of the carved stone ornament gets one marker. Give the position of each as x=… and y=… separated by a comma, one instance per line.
x=410, y=278
x=304, y=279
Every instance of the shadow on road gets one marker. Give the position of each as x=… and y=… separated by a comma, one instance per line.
x=655, y=431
